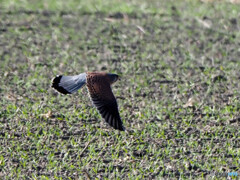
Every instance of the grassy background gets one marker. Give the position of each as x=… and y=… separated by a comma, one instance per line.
x=178, y=97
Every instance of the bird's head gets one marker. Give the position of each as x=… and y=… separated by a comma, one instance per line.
x=113, y=77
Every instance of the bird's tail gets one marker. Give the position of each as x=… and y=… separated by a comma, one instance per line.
x=69, y=84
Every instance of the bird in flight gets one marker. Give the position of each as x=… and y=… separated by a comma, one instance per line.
x=99, y=89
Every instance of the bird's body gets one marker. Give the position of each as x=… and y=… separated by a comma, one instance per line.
x=99, y=88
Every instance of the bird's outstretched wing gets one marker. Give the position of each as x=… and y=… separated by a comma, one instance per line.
x=104, y=100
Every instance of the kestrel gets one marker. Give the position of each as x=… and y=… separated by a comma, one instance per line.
x=99, y=89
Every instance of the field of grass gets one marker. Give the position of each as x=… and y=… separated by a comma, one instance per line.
x=179, y=93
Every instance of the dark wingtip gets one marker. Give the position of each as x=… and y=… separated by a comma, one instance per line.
x=55, y=85
x=121, y=128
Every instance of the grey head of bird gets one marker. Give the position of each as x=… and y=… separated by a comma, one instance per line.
x=112, y=77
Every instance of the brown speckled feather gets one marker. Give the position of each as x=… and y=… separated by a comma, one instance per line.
x=102, y=97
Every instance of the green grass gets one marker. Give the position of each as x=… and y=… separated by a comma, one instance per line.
x=178, y=95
